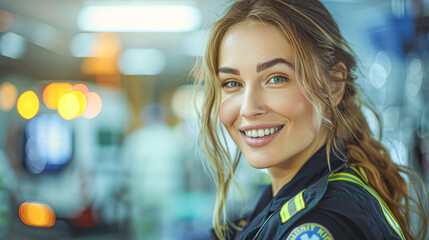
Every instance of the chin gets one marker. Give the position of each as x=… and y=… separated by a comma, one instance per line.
x=257, y=163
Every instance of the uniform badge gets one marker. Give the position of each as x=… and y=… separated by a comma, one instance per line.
x=310, y=231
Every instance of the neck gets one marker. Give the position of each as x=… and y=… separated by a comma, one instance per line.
x=284, y=172
x=282, y=175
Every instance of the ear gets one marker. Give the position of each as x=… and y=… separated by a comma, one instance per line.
x=339, y=72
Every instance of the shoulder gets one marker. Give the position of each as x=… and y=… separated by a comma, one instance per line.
x=335, y=218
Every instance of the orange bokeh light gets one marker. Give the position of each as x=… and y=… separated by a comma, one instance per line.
x=6, y=19
x=28, y=104
x=94, y=105
x=53, y=92
x=8, y=95
x=37, y=214
x=106, y=48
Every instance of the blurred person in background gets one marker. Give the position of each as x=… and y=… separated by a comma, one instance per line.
x=279, y=77
x=154, y=156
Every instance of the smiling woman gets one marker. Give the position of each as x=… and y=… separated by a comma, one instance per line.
x=278, y=75
x=260, y=94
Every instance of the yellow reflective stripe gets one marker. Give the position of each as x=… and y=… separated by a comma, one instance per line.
x=369, y=189
x=361, y=173
x=292, y=207
x=284, y=212
x=373, y=192
x=299, y=201
x=386, y=211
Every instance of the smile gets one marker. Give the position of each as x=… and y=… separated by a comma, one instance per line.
x=258, y=137
x=254, y=133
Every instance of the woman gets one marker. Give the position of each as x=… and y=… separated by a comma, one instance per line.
x=278, y=76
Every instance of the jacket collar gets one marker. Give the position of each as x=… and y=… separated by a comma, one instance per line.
x=314, y=169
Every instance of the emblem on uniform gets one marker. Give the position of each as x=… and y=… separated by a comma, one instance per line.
x=310, y=231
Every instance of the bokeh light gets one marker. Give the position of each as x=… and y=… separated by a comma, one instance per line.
x=28, y=104
x=6, y=19
x=94, y=105
x=378, y=75
x=81, y=87
x=37, y=215
x=53, y=92
x=8, y=95
x=414, y=79
x=49, y=143
x=82, y=102
x=72, y=105
x=12, y=45
x=106, y=49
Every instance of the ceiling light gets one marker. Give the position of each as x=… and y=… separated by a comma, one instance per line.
x=139, y=18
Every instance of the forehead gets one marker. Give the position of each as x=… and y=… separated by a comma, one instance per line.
x=253, y=42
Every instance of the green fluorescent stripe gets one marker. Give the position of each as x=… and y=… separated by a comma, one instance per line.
x=386, y=211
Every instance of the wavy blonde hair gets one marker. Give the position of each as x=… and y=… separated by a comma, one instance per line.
x=316, y=41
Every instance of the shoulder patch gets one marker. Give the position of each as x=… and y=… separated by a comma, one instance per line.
x=310, y=231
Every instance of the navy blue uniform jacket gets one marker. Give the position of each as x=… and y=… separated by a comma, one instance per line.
x=345, y=210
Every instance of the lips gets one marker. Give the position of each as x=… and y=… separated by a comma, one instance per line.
x=261, y=135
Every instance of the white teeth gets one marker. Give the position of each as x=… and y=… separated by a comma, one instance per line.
x=261, y=132
x=254, y=133
x=267, y=131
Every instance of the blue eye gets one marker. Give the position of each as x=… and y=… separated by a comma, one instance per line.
x=278, y=79
x=231, y=84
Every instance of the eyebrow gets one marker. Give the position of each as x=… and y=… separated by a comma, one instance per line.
x=260, y=67
x=263, y=66
x=228, y=70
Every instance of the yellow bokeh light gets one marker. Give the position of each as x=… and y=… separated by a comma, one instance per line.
x=8, y=95
x=68, y=106
x=28, y=104
x=94, y=105
x=72, y=105
x=53, y=92
x=37, y=214
x=82, y=102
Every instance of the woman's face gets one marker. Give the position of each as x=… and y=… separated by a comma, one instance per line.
x=262, y=107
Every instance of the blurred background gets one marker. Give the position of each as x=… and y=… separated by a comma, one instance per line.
x=97, y=128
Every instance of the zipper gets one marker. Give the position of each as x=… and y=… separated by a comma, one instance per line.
x=265, y=222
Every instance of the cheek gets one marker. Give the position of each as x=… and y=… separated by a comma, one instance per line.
x=296, y=108
x=229, y=110
x=290, y=104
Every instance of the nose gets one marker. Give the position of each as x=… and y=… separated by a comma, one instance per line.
x=253, y=103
